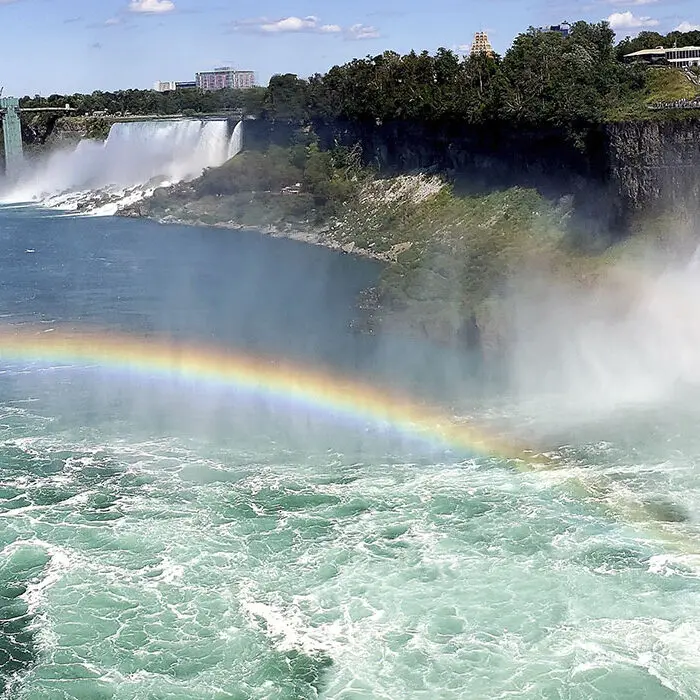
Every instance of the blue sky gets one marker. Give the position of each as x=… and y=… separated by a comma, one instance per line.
x=66, y=46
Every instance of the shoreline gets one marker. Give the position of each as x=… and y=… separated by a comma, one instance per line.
x=364, y=228
x=317, y=237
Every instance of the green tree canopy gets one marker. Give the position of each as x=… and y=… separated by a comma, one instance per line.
x=545, y=79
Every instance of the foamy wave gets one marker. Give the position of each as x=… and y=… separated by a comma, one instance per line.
x=287, y=629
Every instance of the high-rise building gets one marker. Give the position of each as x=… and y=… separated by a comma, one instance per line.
x=482, y=45
x=226, y=77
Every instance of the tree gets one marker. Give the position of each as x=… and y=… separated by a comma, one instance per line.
x=286, y=99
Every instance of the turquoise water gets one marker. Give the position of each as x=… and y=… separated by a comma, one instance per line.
x=161, y=543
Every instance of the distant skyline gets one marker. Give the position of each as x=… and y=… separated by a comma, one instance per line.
x=66, y=46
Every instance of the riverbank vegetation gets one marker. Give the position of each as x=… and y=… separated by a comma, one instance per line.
x=298, y=185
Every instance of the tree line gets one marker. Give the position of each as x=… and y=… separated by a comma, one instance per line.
x=144, y=102
x=544, y=79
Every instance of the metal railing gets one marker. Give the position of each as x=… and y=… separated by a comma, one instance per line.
x=676, y=104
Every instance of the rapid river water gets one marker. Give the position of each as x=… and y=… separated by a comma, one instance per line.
x=178, y=542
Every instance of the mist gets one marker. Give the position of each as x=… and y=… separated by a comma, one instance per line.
x=566, y=352
x=626, y=338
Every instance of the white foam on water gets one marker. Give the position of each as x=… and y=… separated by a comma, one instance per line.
x=287, y=629
x=413, y=580
x=59, y=561
x=667, y=565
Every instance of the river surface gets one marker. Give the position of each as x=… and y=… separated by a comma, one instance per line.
x=165, y=542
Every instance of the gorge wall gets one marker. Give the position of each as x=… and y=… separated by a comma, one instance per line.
x=613, y=171
x=654, y=163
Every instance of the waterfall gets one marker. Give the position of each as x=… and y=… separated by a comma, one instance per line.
x=137, y=156
x=235, y=145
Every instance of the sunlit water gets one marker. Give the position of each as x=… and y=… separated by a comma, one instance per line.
x=165, y=542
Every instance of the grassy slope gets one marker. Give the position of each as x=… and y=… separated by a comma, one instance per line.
x=668, y=85
x=463, y=250
x=661, y=85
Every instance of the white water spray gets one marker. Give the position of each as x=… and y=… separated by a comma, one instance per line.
x=632, y=340
x=136, y=158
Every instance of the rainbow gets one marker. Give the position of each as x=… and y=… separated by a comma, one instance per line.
x=336, y=395
x=268, y=377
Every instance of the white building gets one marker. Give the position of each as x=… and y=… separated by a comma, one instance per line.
x=165, y=86
x=684, y=57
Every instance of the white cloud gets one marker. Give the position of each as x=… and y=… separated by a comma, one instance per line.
x=687, y=27
x=632, y=3
x=287, y=25
x=291, y=24
x=151, y=7
x=303, y=25
x=362, y=31
x=626, y=20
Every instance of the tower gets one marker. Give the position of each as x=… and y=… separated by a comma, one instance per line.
x=482, y=45
x=12, y=131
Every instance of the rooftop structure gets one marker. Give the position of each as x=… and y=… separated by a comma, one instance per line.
x=482, y=45
x=684, y=57
x=564, y=29
x=170, y=85
x=225, y=77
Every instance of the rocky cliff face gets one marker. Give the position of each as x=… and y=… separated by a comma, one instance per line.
x=654, y=163
x=498, y=151
x=615, y=172
x=479, y=158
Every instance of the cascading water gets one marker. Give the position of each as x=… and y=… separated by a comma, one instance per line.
x=135, y=158
x=235, y=145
